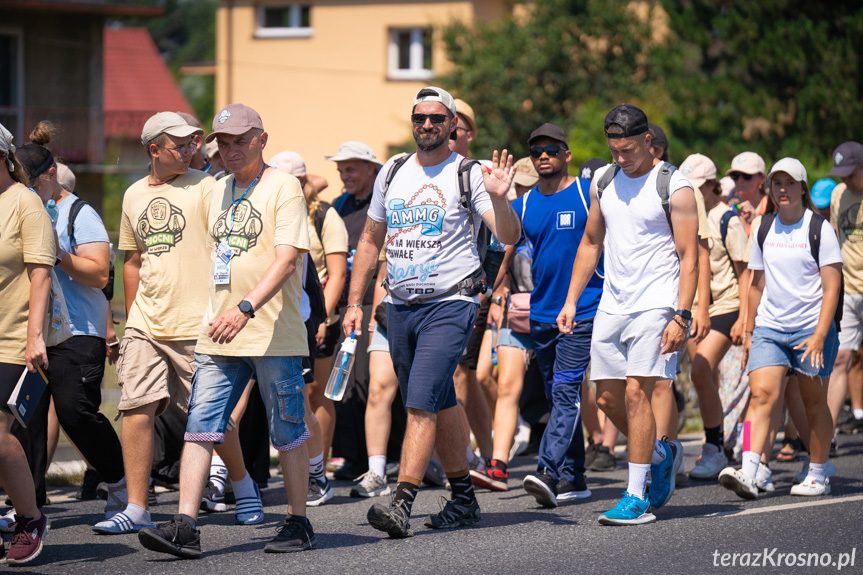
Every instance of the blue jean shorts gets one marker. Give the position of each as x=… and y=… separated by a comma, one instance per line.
x=219, y=382
x=773, y=347
x=508, y=338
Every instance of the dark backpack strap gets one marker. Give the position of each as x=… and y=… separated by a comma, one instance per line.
x=815, y=226
x=605, y=180
x=663, y=184
x=397, y=164
x=76, y=208
x=766, y=224
x=723, y=226
x=464, y=191
x=340, y=202
x=320, y=216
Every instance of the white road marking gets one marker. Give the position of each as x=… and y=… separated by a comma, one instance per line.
x=787, y=506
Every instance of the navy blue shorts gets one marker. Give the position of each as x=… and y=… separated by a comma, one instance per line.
x=426, y=343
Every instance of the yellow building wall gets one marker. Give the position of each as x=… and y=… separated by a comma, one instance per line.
x=315, y=93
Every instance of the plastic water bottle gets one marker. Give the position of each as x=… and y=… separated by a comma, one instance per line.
x=341, y=370
x=53, y=211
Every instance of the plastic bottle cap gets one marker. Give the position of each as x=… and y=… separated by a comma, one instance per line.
x=349, y=346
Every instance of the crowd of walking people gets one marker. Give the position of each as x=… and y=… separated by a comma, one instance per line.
x=491, y=307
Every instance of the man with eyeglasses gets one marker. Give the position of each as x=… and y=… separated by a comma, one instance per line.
x=163, y=230
x=432, y=284
x=553, y=215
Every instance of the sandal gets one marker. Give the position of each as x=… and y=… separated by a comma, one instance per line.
x=792, y=455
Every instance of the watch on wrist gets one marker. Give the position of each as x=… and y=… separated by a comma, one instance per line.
x=684, y=313
x=247, y=308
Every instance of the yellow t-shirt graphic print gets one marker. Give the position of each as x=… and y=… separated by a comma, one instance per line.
x=161, y=226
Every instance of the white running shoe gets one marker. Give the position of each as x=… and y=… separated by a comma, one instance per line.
x=733, y=479
x=804, y=473
x=711, y=461
x=764, y=478
x=521, y=440
x=811, y=487
x=371, y=485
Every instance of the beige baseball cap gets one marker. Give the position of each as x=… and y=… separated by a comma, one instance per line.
x=212, y=148
x=65, y=177
x=435, y=94
x=791, y=166
x=698, y=169
x=525, y=173
x=463, y=109
x=747, y=163
x=235, y=119
x=289, y=162
x=170, y=123
x=354, y=151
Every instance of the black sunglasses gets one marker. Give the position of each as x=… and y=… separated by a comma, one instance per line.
x=435, y=118
x=737, y=175
x=552, y=150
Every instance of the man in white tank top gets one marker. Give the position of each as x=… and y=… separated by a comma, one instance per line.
x=644, y=315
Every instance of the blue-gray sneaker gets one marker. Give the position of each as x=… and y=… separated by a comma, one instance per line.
x=662, y=475
x=630, y=510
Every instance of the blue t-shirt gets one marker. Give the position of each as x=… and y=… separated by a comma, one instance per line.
x=88, y=308
x=554, y=225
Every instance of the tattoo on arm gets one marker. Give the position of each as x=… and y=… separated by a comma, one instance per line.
x=371, y=225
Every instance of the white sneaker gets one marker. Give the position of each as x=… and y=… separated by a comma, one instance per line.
x=521, y=440
x=811, y=487
x=371, y=485
x=7, y=522
x=764, y=478
x=804, y=473
x=711, y=461
x=733, y=479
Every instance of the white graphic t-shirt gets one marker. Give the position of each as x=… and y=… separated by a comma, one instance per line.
x=429, y=247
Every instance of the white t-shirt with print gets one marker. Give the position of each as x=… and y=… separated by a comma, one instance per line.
x=642, y=268
x=792, y=280
x=429, y=247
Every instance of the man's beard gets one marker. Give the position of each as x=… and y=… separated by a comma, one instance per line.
x=429, y=141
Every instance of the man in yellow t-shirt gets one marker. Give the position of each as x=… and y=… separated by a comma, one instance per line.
x=163, y=232
x=257, y=233
x=847, y=219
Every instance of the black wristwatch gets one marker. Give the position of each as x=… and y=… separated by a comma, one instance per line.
x=247, y=308
x=684, y=313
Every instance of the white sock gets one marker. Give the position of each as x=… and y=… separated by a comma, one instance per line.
x=378, y=464
x=818, y=471
x=658, y=454
x=316, y=467
x=858, y=414
x=470, y=455
x=137, y=514
x=245, y=487
x=638, y=479
x=218, y=473
x=750, y=464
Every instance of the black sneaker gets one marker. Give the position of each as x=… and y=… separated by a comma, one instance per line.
x=89, y=485
x=568, y=490
x=543, y=488
x=604, y=460
x=454, y=513
x=295, y=535
x=174, y=537
x=393, y=519
x=851, y=426
x=151, y=495
x=213, y=499
x=834, y=452
x=589, y=453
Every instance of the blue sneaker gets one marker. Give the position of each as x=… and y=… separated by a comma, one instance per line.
x=630, y=510
x=249, y=510
x=119, y=524
x=662, y=475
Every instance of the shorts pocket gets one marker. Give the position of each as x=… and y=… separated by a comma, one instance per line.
x=289, y=393
x=92, y=374
x=121, y=357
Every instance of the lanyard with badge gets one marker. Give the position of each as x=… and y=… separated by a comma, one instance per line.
x=224, y=252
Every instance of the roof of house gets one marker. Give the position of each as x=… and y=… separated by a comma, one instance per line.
x=137, y=82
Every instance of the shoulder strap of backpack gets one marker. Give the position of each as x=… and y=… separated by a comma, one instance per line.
x=320, y=216
x=524, y=206
x=663, y=183
x=815, y=226
x=605, y=180
x=77, y=206
x=723, y=226
x=766, y=224
x=397, y=164
x=340, y=202
x=464, y=182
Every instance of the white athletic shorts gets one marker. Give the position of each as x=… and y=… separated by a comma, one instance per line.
x=851, y=335
x=630, y=345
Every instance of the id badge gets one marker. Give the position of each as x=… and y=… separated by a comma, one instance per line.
x=225, y=252
x=222, y=272
x=55, y=315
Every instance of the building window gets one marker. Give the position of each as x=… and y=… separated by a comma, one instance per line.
x=410, y=54
x=284, y=21
x=11, y=81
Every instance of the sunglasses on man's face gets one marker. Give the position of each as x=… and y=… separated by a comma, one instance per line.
x=737, y=175
x=435, y=118
x=552, y=150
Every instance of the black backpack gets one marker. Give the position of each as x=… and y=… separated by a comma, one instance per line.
x=815, y=225
x=77, y=205
x=663, y=183
x=312, y=283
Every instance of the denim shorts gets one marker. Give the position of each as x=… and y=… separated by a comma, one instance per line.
x=773, y=347
x=219, y=382
x=379, y=340
x=508, y=338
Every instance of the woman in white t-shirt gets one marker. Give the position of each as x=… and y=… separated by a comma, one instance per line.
x=796, y=298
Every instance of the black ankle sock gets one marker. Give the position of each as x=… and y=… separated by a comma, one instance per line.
x=462, y=488
x=187, y=520
x=714, y=435
x=406, y=493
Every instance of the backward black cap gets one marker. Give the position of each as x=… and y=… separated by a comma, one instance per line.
x=631, y=119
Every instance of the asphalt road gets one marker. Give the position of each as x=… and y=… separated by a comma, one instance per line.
x=700, y=525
